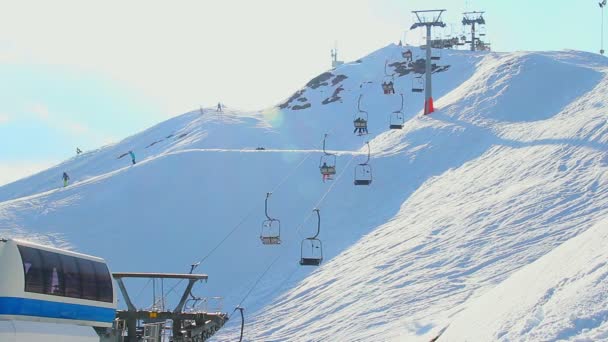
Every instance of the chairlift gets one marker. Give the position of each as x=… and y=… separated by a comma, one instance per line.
x=435, y=54
x=271, y=227
x=363, y=171
x=360, y=120
x=388, y=83
x=397, y=118
x=418, y=84
x=311, y=250
x=327, y=164
x=407, y=54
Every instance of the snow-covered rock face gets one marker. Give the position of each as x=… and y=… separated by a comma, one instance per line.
x=512, y=165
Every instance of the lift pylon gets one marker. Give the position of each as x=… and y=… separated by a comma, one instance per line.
x=428, y=19
x=472, y=19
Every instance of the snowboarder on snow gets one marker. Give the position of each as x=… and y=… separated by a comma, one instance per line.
x=78, y=151
x=66, y=179
x=132, y=157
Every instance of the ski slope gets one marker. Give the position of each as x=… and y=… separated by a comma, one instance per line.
x=562, y=296
x=510, y=167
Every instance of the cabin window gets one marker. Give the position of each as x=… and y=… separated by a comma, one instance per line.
x=32, y=269
x=87, y=276
x=53, y=273
x=104, y=282
x=71, y=275
x=67, y=276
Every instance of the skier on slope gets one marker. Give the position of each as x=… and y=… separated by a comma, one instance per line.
x=219, y=107
x=132, y=157
x=66, y=179
x=78, y=150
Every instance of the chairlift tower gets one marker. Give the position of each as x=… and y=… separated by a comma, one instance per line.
x=472, y=19
x=186, y=326
x=423, y=20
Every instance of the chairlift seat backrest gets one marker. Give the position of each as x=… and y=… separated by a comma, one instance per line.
x=328, y=170
x=360, y=123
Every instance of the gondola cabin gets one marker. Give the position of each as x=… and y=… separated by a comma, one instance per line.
x=50, y=294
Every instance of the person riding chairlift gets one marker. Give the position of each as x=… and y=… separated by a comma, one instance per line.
x=324, y=169
x=407, y=55
x=360, y=130
x=388, y=87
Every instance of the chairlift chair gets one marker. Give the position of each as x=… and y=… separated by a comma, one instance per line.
x=397, y=119
x=388, y=83
x=363, y=171
x=435, y=54
x=482, y=31
x=407, y=54
x=311, y=250
x=327, y=164
x=417, y=84
x=271, y=227
x=360, y=120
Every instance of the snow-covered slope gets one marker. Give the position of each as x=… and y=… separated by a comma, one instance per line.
x=524, y=187
x=511, y=165
x=561, y=296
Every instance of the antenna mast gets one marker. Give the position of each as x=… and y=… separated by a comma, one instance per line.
x=602, y=5
x=423, y=20
x=334, y=57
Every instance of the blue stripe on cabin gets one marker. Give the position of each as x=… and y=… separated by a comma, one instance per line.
x=49, y=309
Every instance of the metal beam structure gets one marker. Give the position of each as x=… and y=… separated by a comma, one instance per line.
x=423, y=21
x=160, y=275
x=205, y=324
x=472, y=19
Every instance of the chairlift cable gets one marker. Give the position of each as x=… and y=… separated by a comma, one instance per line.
x=251, y=211
x=195, y=265
x=297, y=230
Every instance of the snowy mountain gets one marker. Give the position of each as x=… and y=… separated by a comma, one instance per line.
x=463, y=202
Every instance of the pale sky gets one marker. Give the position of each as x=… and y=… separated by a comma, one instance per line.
x=85, y=73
